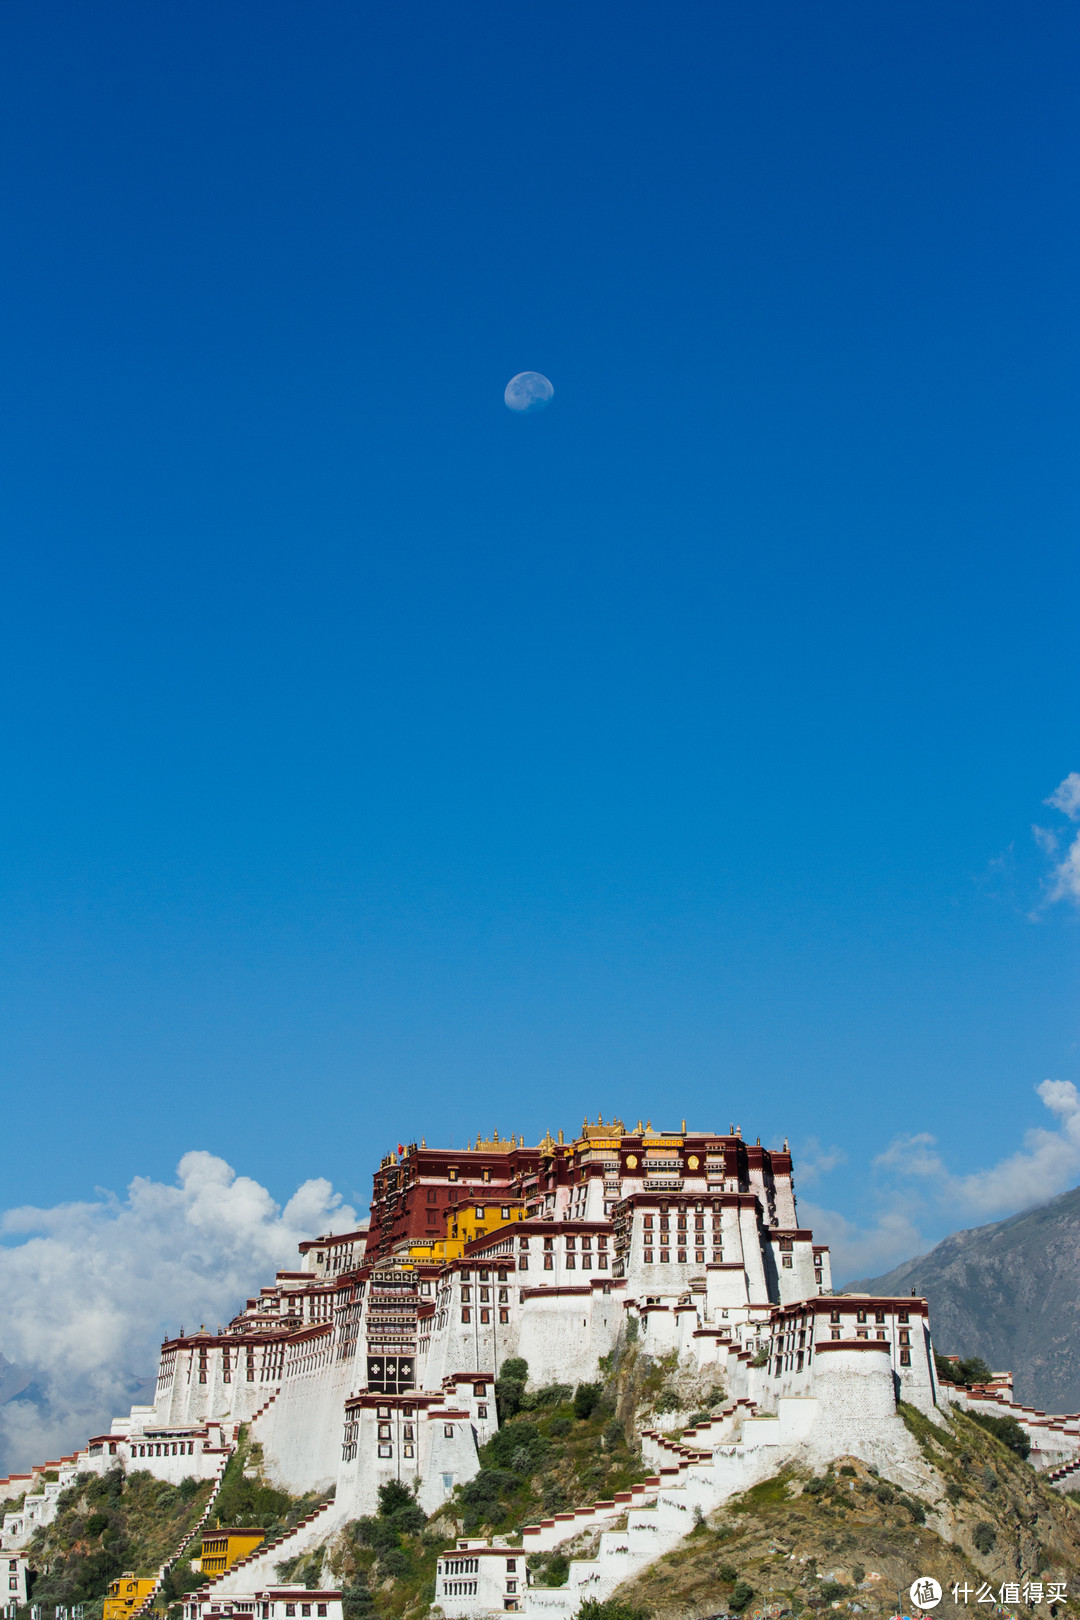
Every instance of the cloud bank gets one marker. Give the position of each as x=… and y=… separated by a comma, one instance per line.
x=1064, y=881
x=89, y=1290
x=918, y=1192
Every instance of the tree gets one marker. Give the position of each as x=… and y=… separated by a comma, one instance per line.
x=510, y=1387
x=586, y=1399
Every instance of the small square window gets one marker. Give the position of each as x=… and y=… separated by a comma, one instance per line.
x=787, y=1262
x=479, y=1389
x=448, y=1431
x=905, y=1358
x=466, y=1314
x=648, y=1257
x=481, y=1410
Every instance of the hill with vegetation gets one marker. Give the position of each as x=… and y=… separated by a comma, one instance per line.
x=796, y=1544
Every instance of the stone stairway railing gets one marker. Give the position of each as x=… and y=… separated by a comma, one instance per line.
x=560, y=1527
x=651, y=1530
x=259, y=1566
x=151, y=1598
x=1066, y=1476
x=265, y=1407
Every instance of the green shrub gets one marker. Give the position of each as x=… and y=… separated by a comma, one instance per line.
x=586, y=1400
x=847, y=1471
x=814, y=1487
x=394, y=1495
x=559, y=1425
x=394, y=1562
x=557, y=1570
x=550, y=1395
x=611, y=1609
x=741, y=1593
x=668, y=1401
x=967, y=1371
x=831, y=1590
x=614, y=1435
x=356, y=1602
x=510, y=1387
x=984, y=1537
x=1008, y=1430
x=727, y=1574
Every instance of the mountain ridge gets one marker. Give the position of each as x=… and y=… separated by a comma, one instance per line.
x=1009, y=1292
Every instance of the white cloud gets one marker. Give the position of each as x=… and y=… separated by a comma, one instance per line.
x=814, y=1161
x=89, y=1289
x=865, y=1251
x=1066, y=796
x=911, y=1156
x=1047, y=1163
x=1064, y=880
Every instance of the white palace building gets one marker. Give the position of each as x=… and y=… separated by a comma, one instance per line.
x=376, y=1358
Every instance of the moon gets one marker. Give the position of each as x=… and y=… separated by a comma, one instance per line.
x=528, y=391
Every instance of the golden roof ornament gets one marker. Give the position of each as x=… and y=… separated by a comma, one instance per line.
x=614, y=1127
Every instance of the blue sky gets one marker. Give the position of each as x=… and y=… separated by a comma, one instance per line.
x=379, y=763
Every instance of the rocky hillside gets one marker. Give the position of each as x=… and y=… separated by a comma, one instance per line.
x=850, y=1541
x=1010, y=1293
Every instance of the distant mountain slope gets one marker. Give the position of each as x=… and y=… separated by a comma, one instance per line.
x=1009, y=1292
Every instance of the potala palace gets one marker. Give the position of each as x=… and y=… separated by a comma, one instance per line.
x=376, y=1358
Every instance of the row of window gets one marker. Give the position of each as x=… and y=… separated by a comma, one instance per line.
x=187, y=1449
x=650, y=1255
x=485, y=1314
x=570, y=1240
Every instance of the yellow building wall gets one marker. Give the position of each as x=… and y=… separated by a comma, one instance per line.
x=126, y=1595
x=221, y=1549
x=463, y=1224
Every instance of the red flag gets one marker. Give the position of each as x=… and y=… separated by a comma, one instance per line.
x=401, y=1147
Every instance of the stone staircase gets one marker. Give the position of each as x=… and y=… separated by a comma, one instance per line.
x=259, y=1568
x=659, y=1512
x=1065, y=1478
x=151, y=1598
x=265, y=1407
